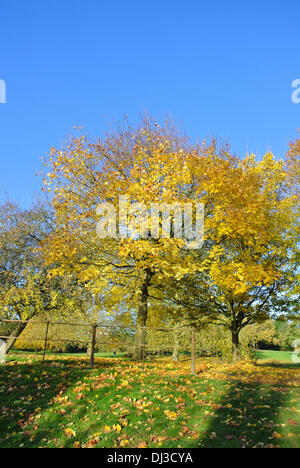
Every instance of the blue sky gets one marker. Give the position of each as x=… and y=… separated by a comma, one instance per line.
x=222, y=68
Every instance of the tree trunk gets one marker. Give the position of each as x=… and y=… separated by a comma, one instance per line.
x=193, y=353
x=235, y=344
x=16, y=333
x=93, y=344
x=140, y=333
x=94, y=319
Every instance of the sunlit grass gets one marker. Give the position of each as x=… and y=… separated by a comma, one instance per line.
x=154, y=404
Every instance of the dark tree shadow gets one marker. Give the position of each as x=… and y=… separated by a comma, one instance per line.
x=27, y=390
x=246, y=417
x=279, y=365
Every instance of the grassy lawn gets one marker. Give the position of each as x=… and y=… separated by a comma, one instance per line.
x=154, y=404
x=274, y=356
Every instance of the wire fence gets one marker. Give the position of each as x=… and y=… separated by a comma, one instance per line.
x=101, y=335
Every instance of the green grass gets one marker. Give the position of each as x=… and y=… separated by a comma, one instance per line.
x=155, y=404
x=277, y=356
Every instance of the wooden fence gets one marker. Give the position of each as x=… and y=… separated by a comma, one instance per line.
x=93, y=340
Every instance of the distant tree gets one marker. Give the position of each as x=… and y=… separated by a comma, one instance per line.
x=286, y=332
x=28, y=287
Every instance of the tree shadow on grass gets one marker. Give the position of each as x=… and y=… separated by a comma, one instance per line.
x=246, y=417
x=26, y=390
x=279, y=365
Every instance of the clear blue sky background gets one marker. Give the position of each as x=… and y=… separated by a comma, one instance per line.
x=219, y=67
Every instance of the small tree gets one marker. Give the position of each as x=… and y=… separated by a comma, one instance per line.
x=28, y=287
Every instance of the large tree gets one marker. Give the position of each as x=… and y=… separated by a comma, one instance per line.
x=147, y=164
x=247, y=268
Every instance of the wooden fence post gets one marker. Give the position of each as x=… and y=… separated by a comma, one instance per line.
x=93, y=343
x=193, y=353
x=45, y=343
x=144, y=343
